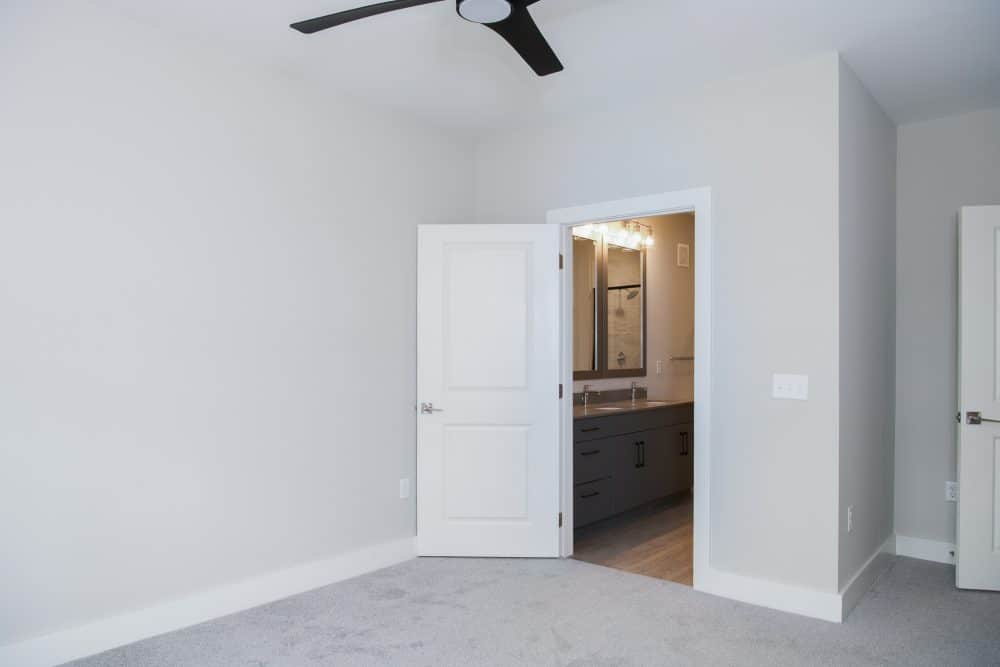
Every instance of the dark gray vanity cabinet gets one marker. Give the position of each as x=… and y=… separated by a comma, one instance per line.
x=626, y=460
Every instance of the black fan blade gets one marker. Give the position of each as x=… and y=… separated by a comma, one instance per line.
x=521, y=32
x=331, y=20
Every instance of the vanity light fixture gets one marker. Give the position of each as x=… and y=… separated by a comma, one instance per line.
x=629, y=234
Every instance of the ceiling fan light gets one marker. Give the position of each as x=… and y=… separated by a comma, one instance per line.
x=484, y=11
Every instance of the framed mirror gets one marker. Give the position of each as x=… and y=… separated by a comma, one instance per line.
x=587, y=255
x=609, y=300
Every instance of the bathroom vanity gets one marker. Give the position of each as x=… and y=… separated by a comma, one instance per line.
x=629, y=453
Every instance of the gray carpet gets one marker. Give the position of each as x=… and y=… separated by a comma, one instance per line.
x=549, y=612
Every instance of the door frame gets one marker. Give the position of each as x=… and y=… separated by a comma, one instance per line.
x=698, y=201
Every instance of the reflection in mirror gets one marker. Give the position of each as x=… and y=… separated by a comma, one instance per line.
x=609, y=299
x=625, y=308
x=586, y=253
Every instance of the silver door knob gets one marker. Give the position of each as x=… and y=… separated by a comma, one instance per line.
x=976, y=418
x=428, y=408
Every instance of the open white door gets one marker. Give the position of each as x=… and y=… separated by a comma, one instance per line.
x=488, y=390
x=978, y=557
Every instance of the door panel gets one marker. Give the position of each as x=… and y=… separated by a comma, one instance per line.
x=488, y=363
x=978, y=552
x=493, y=277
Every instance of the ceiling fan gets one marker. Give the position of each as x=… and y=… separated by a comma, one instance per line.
x=508, y=18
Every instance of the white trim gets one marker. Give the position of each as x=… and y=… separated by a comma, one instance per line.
x=774, y=595
x=698, y=200
x=865, y=577
x=917, y=547
x=98, y=636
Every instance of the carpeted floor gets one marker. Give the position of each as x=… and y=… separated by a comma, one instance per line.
x=549, y=612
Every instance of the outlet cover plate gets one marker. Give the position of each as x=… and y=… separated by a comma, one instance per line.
x=951, y=492
x=790, y=387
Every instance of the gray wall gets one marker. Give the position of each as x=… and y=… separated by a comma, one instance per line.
x=867, y=257
x=767, y=146
x=943, y=164
x=207, y=317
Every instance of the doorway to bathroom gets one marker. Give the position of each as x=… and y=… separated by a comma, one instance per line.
x=633, y=479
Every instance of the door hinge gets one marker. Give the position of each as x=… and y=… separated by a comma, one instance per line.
x=560, y=261
x=560, y=391
x=560, y=519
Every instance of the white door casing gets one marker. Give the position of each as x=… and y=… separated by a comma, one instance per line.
x=978, y=537
x=488, y=361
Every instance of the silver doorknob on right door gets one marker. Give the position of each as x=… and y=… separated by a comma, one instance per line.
x=428, y=408
x=976, y=418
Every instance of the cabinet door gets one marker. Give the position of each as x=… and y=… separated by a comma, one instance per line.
x=628, y=471
x=667, y=463
x=658, y=454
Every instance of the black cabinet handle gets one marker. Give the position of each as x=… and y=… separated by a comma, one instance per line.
x=591, y=452
x=685, y=443
x=640, y=453
x=590, y=429
x=590, y=495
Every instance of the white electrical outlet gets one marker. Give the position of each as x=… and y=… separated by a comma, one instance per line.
x=404, y=488
x=659, y=366
x=792, y=387
x=850, y=518
x=951, y=492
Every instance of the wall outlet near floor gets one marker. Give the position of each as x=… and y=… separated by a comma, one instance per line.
x=404, y=488
x=951, y=492
x=850, y=518
x=794, y=387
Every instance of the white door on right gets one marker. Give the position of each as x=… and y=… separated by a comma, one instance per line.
x=978, y=557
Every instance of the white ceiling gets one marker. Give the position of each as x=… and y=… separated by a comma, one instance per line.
x=920, y=58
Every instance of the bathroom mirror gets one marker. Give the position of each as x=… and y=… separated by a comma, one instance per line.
x=586, y=253
x=609, y=300
x=625, y=309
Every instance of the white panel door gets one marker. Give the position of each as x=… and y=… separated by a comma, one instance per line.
x=978, y=557
x=488, y=390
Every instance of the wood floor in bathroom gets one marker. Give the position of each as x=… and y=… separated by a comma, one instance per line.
x=655, y=540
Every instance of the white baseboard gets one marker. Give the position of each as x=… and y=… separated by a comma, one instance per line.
x=108, y=633
x=865, y=577
x=771, y=594
x=917, y=547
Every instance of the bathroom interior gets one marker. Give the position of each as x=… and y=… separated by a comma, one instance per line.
x=633, y=395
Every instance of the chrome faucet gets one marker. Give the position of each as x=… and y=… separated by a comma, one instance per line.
x=635, y=390
x=586, y=394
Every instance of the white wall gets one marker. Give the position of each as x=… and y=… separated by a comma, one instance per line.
x=867, y=256
x=767, y=146
x=207, y=317
x=943, y=164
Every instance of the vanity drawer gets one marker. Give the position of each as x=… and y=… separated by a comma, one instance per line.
x=592, y=460
x=592, y=428
x=592, y=502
